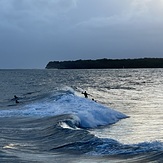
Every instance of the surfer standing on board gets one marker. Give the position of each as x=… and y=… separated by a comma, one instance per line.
x=85, y=94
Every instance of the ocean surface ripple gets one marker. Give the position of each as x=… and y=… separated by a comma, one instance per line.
x=53, y=122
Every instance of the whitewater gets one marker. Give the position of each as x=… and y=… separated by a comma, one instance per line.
x=53, y=122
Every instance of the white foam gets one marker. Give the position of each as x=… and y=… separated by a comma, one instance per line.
x=87, y=112
x=91, y=114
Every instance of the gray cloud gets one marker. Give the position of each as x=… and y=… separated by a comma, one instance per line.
x=33, y=32
x=137, y=11
x=28, y=14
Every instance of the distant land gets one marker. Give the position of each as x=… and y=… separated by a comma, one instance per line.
x=107, y=64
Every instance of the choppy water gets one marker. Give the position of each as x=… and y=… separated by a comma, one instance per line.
x=54, y=122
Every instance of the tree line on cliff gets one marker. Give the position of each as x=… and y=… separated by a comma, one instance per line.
x=107, y=64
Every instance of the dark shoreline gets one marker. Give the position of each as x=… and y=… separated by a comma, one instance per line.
x=107, y=64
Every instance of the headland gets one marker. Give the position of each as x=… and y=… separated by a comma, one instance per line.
x=107, y=64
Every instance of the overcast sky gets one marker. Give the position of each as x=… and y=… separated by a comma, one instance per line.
x=34, y=32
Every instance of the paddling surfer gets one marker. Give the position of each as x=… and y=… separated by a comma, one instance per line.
x=16, y=99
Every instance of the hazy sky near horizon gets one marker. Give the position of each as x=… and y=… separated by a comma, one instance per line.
x=34, y=32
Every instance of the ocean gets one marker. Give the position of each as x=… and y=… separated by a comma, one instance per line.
x=120, y=121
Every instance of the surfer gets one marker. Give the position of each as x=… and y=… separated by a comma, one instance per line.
x=16, y=99
x=85, y=94
x=94, y=100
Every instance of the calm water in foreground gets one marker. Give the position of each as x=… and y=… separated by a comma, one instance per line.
x=53, y=122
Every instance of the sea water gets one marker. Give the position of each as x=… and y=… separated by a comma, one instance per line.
x=53, y=122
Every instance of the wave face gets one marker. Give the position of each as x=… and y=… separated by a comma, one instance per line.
x=86, y=113
x=60, y=125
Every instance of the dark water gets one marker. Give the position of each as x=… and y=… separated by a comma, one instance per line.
x=53, y=122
